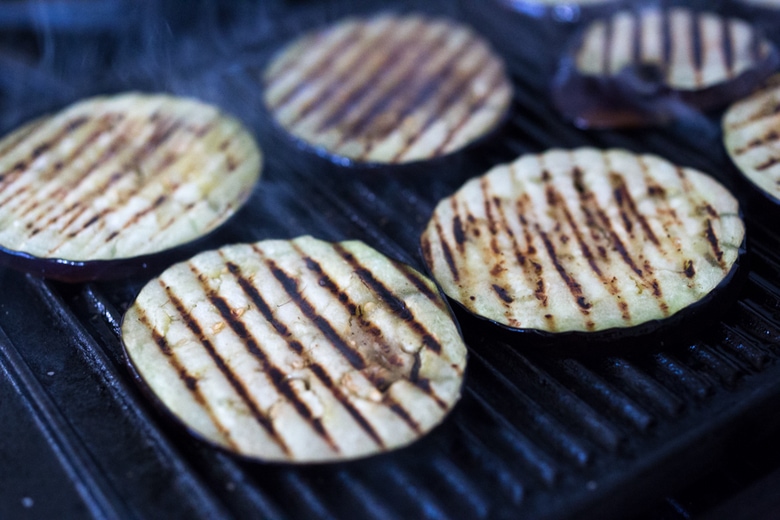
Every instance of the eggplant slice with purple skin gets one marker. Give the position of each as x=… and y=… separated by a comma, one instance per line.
x=653, y=66
x=584, y=245
x=102, y=187
x=297, y=350
x=387, y=89
x=751, y=135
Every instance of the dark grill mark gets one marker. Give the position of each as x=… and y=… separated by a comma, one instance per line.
x=237, y=385
x=445, y=99
x=262, y=306
x=353, y=357
x=475, y=106
x=395, y=304
x=416, y=280
x=697, y=58
x=380, y=383
x=574, y=287
x=713, y=240
x=423, y=89
x=403, y=414
x=727, y=37
x=393, y=50
x=425, y=385
x=323, y=376
x=281, y=382
x=445, y=249
x=624, y=199
x=290, y=286
x=767, y=164
x=395, y=100
x=756, y=47
x=318, y=67
x=533, y=272
x=636, y=41
x=56, y=197
x=100, y=127
x=770, y=137
x=457, y=230
x=329, y=88
x=502, y=293
x=29, y=134
x=618, y=244
x=21, y=135
x=190, y=381
x=586, y=252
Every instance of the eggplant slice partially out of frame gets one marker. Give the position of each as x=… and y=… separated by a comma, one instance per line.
x=297, y=350
x=103, y=186
x=584, y=245
x=651, y=66
x=751, y=135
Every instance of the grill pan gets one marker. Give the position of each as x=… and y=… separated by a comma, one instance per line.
x=535, y=436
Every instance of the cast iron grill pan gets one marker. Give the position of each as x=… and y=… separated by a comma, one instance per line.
x=535, y=436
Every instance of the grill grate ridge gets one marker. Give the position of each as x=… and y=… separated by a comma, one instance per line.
x=542, y=426
x=609, y=397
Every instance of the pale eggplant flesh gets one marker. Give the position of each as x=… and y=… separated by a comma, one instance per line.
x=101, y=188
x=751, y=134
x=653, y=66
x=584, y=246
x=297, y=351
x=388, y=89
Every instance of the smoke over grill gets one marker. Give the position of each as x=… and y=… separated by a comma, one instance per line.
x=534, y=435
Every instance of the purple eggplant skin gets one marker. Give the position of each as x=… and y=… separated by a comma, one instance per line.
x=81, y=271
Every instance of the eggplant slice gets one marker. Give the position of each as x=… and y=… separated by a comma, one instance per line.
x=652, y=66
x=387, y=89
x=584, y=241
x=751, y=134
x=297, y=350
x=111, y=181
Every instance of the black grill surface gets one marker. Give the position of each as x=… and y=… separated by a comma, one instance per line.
x=535, y=436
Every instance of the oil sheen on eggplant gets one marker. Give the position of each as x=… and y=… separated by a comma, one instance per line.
x=100, y=188
x=580, y=244
x=297, y=350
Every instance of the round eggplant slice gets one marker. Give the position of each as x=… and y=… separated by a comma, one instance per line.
x=297, y=350
x=102, y=186
x=584, y=243
x=751, y=134
x=652, y=66
x=387, y=89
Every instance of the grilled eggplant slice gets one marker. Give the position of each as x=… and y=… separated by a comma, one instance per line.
x=584, y=243
x=387, y=89
x=297, y=350
x=751, y=134
x=97, y=189
x=653, y=66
